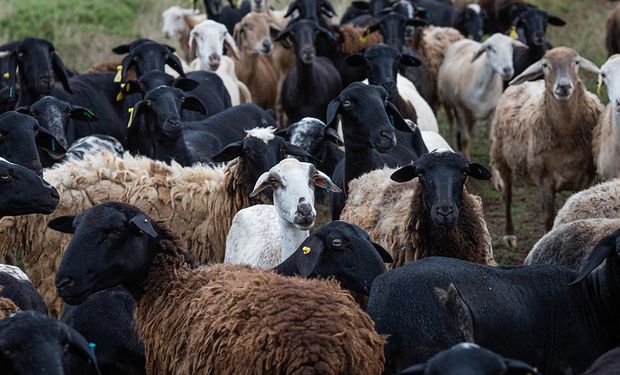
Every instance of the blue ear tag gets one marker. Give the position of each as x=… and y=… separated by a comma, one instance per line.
x=53, y=146
x=92, y=347
x=306, y=159
x=11, y=92
x=330, y=35
x=392, y=120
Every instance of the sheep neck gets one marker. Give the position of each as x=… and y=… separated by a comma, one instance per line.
x=485, y=80
x=357, y=161
x=290, y=237
x=26, y=96
x=305, y=76
x=566, y=117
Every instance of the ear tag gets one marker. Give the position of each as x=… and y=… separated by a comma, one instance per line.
x=92, y=347
x=121, y=93
x=130, y=110
x=306, y=250
x=53, y=145
x=10, y=91
x=513, y=32
x=599, y=84
x=88, y=114
x=392, y=120
x=362, y=39
x=330, y=35
x=7, y=75
x=119, y=74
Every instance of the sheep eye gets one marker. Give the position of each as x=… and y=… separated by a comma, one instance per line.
x=545, y=65
x=148, y=103
x=346, y=104
x=273, y=180
x=337, y=242
x=5, y=177
x=603, y=75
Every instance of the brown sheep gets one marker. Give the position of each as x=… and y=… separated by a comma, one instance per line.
x=220, y=319
x=253, y=38
x=543, y=131
x=7, y=307
x=612, y=38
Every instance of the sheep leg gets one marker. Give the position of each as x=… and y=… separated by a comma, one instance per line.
x=450, y=119
x=509, y=238
x=466, y=126
x=548, y=201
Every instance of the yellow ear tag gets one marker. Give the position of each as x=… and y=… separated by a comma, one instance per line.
x=121, y=94
x=599, y=84
x=362, y=39
x=7, y=75
x=130, y=110
x=513, y=32
x=306, y=250
x=119, y=74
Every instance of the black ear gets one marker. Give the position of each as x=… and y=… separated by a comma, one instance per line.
x=192, y=103
x=555, y=21
x=82, y=114
x=143, y=224
x=298, y=151
x=282, y=133
x=284, y=34
x=416, y=22
x=333, y=109
x=414, y=370
x=25, y=110
x=125, y=65
x=12, y=71
x=122, y=49
x=404, y=174
x=409, y=60
x=138, y=110
x=519, y=368
x=62, y=224
x=133, y=87
x=46, y=141
x=396, y=118
x=361, y=5
x=327, y=8
x=185, y=84
x=372, y=28
x=603, y=249
x=354, y=60
x=384, y=254
x=291, y=8
x=61, y=73
x=478, y=172
x=309, y=256
x=173, y=61
x=229, y=152
x=332, y=135
x=79, y=346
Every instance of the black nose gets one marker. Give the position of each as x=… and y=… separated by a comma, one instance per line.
x=389, y=85
x=214, y=57
x=445, y=210
x=507, y=71
x=304, y=215
x=55, y=194
x=174, y=121
x=267, y=45
x=65, y=283
x=386, y=133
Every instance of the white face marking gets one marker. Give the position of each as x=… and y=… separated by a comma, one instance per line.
x=500, y=54
x=13, y=272
x=264, y=134
x=209, y=38
x=296, y=186
x=610, y=76
x=174, y=21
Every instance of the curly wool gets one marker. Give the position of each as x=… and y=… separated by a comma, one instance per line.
x=599, y=201
x=7, y=307
x=433, y=42
x=352, y=40
x=197, y=202
x=232, y=319
x=394, y=216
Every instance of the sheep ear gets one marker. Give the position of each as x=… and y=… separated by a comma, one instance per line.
x=185, y=84
x=588, y=65
x=133, y=87
x=396, y=118
x=404, y=174
x=372, y=28
x=384, y=254
x=63, y=224
x=518, y=44
x=192, y=103
x=332, y=135
x=354, y=60
x=298, y=151
x=532, y=72
x=409, y=60
x=79, y=346
x=361, y=5
x=46, y=140
x=414, y=370
x=519, y=368
x=138, y=109
x=61, y=73
x=143, y=224
x=229, y=152
x=555, y=21
x=82, y=114
x=602, y=250
x=25, y=110
x=173, y=61
x=284, y=34
x=261, y=184
x=478, y=172
x=231, y=46
x=333, y=109
x=126, y=64
x=122, y=49
x=309, y=256
x=481, y=50
x=323, y=181
x=416, y=22
x=12, y=72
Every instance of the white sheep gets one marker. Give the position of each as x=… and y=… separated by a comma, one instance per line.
x=471, y=80
x=178, y=23
x=606, y=142
x=208, y=39
x=265, y=235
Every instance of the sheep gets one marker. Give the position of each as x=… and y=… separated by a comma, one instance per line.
x=470, y=358
x=16, y=287
x=178, y=22
x=229, y=319
x=253, y=38
x=208, y=39
x=605, y=364
x=422, y=218
x=32, y=343
x=145, y=55
x=432, y=42
x=542, y=131
x=469, y=20
x=427, y=305
x=569, y=244
x=605, y=146
x=470, y=81
x=94, y=144
x=199, y=202
x=7, y=98
x=226, y=15
x=7, y=307
x=263, y=235
x=599, y=201
x=613, y=26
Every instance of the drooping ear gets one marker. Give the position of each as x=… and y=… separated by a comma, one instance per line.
x=603, y=249
x=327, y=9
x=283, y=35
x=416, y=22
x=309, y=256
x=237, y=34
x=478, y=172
x=12, y=72
x=173, y=61
x=519, y=368
x=78, y=345
x=143, y=224
x=192, y=103
x=48, y=143
x=409, y=60
x=281, y=132
x=332, y=135
x=229, y=152
x=298, y=151
x=404, y=174
x=555, y=21
x=534, y=71
x=414, y=370
x=588, y=65
x=63, y=224
x=323, y=181
x=361, y=5
x=396, y=118
x=261, y=184
x=291, y=8
x=82, y=114
x=138, y=110
x=192, y=42
x=384, y=254
x=231, y=46
x=25, y=110
x=357, y=59
x=372, y=28
x=133, y=87
x=479, y=53
x=185, y=84
x=518, y=44
x=61, y=73
x=126, y=63
x=333, y=109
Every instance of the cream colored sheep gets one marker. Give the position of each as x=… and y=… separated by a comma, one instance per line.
x=599, y=201
x=432, y=43
x=606, y=143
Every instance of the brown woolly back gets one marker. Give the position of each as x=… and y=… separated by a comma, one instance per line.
x=351, y=40
x=7, y=307
x=104, y=67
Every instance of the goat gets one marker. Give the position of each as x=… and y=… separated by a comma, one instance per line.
x=226, y=15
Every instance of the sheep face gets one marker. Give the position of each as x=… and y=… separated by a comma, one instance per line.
x=174, y=21
x=154, y=79
x=470, y=21
x=533, y=22
x=113, y=244
x=18, y=140
x=343, y=251
x=260, y=6
x=253, y=33
x=54, y=115
x=392, y=27
x=610, y=77
x=311, y=9
x=498, y=49
x=310, y=134
x=23, y=192
x=213, y=7
x=442, y=175
x=149, y=56
x=208, y=39
x=32, y=343
x=303, y=35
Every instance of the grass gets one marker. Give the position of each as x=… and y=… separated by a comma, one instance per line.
x=84, y=31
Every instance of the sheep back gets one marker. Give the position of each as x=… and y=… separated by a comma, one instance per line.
x=7, y=307
x=434, y=43
x=352, y=40
x=599, y=201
